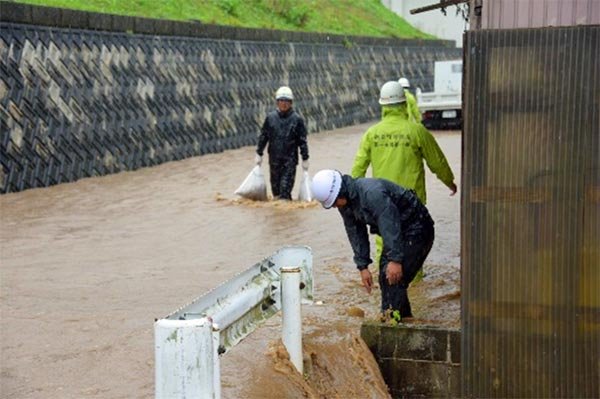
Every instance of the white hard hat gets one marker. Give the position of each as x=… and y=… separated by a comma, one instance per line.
x=391, y=93
x=284, y=93
x=404, y=82
x=326, y=186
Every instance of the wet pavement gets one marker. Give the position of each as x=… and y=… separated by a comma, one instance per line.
x=86, y=267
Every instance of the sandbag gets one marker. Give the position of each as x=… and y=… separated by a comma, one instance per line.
x=305, y=193
x=254, y=186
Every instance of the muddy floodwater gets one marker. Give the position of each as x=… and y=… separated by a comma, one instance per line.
x=86, y=267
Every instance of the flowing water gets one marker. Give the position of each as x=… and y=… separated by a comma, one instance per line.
x=86, y=267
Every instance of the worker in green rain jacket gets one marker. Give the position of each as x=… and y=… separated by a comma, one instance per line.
x=396, y=147
x=411, y=102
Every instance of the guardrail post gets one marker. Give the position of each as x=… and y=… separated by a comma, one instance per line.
x=292, y=320
x=184, y=359
x=216, y=362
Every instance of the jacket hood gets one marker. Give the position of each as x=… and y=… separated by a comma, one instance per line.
x=348, y=188
x=394, y=110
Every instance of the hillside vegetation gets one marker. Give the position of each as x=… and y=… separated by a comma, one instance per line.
x=346, y=17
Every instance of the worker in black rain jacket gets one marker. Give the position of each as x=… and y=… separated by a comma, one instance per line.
x=391, y=211
x=285, y=132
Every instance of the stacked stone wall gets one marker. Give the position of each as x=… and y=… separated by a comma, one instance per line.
x=76, y=103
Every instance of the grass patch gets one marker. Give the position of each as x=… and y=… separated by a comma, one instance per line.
x=344, y=17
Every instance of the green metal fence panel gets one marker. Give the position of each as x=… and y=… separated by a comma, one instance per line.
x=531, y=213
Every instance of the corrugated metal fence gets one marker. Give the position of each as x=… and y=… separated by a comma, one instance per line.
x=531, y=213
x=511, y=14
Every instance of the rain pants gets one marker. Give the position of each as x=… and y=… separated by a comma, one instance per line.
x=284, y=133
x=395, y=148
x=401, y=219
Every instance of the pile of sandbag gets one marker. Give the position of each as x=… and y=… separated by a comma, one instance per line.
x=254, y=186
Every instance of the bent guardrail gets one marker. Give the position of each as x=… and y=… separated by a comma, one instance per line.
x=188, y=342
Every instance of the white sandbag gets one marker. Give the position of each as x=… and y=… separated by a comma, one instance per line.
x=305, y=194
x=254, y=186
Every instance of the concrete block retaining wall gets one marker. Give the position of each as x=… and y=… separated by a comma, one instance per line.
x=417, y=362
x=119, y=93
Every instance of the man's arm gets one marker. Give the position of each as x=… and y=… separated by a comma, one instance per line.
x=388, y=223
x=435, y=158
x=362, y=159
x=301, y=141
x=263, y=137
x=359, y=239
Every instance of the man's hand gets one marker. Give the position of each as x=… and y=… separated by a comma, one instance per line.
x=258, y=159
x=367, y=279
x=305, y=164
x=453, y=189
x=393, y=272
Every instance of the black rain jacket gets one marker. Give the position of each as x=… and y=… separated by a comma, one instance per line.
x=285, y=133
x=388, y=209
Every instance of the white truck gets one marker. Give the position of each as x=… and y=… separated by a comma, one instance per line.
x=442, y=108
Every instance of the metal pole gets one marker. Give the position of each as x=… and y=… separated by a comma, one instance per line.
x=184, y=359
x=292, y=321
x=442, y=4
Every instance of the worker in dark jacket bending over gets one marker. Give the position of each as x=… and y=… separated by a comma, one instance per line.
x=285, y=132
x=391, y=211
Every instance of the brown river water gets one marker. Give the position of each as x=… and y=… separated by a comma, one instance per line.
x=86, y=267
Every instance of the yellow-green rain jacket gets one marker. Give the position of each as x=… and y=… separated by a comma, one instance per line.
x=396, y=148
x=413, y=109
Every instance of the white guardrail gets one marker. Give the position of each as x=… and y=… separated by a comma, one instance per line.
x=188, y=342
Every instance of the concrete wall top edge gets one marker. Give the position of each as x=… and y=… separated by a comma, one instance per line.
x=63, y=18
x=411, y=327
